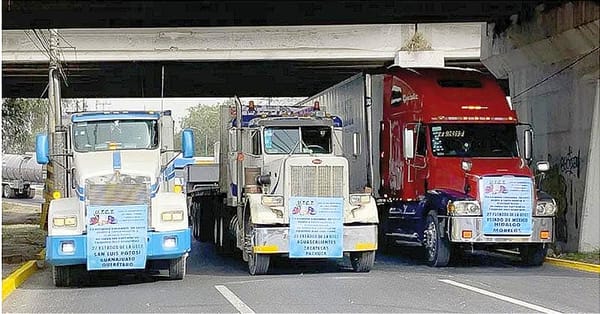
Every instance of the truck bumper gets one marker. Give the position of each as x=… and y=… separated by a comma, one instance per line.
x=275, y=240
x=169, y=244
x=66, y=250
x=72, y=249
x=461, y=227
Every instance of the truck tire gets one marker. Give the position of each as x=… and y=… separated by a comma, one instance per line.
x=30, y=193
x=177, y=268
x=62, y=276
x=437, y=247
x=7, y=191
x=258, y=264
x=362, y=262
x=533, y=254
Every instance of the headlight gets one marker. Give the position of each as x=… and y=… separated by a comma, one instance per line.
x=272, y=200
x=70, y=221
x=358, y=199
x=545, y=208
x=175, y=215
x=464, y=208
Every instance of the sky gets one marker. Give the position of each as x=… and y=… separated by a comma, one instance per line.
x=178, y=106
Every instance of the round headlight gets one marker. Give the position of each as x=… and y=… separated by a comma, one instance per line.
x=550, y=208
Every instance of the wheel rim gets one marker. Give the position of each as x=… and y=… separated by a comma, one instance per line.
x=431, y=239
x=6, y=191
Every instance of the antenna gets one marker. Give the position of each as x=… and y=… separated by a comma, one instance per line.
x=162, y=87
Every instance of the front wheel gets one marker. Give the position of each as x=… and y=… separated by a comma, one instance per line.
x=362, y=262
x=533, y=254
x=258, y=264
x=437, y=247
x=177, y=268
x=62, y=276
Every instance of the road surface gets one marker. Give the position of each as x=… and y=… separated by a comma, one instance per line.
x=399, y=282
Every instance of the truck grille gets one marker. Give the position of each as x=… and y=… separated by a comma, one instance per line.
x=117, y=194
x=323, y=181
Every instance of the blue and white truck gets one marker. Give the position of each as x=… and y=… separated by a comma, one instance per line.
x=122, y=208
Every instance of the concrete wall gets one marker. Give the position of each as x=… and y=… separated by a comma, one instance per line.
x=551, y=61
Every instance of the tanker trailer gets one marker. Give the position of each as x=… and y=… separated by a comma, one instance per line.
x=19, y=173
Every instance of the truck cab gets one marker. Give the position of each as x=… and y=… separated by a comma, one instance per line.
x=121, y=209
x=451, y=162
x=284, y=190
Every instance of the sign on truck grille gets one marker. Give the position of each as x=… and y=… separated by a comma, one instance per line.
x=507, y=205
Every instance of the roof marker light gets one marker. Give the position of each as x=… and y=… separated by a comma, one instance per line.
x=473, y=107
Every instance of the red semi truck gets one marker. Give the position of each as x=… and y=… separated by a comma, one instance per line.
x=440, y=151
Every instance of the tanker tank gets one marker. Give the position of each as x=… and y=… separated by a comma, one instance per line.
x=19, y=173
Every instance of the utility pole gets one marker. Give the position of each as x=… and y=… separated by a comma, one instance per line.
x=56, y=173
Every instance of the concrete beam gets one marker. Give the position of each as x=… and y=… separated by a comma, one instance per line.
x=338, y=42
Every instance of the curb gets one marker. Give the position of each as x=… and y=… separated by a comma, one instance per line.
x=14, y=280
x=593, y=268
x=10, y=283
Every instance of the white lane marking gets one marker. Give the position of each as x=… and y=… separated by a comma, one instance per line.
x=234, y=300
x=500, y=297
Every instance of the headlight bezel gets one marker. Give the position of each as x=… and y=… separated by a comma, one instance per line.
x=271, y=200
x=464, y=208
x=546, y=207
x=359, y=199
x=65, y=221
x=172, y=216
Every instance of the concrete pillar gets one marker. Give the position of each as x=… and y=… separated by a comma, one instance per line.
x=590, y=218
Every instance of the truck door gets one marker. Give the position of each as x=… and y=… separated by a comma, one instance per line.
x=416, y=167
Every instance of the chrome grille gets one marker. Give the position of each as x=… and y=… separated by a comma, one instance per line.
x=324, y=181
x=117, y=194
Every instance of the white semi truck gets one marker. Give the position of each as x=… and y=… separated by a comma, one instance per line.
x=283, y=189
x=121, y=209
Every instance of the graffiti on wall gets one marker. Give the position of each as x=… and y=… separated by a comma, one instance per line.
x=570, y=163
x=559, y=182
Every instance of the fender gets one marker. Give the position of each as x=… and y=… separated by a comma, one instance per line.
x=64, y=207
x=438, y=199
x=265, y=215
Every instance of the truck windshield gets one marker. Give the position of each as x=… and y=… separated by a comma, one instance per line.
x=115, y=134
x=474, y=140
x=282, y=140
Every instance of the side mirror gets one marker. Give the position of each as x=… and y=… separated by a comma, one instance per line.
x=42, y=149
x=356, y=144
x=187, y=143
x=409, y=143
x=528, y=134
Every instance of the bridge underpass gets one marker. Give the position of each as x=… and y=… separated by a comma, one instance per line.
x=222, y=61
x=548, y=51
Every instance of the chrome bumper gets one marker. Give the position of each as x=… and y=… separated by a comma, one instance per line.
x=273, y=240
x=474, y=224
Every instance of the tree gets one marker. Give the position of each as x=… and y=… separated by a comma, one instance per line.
x=204, y=121
x=22, y=119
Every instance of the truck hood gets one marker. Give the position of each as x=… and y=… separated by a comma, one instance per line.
x=131, y=162
x=450, y=175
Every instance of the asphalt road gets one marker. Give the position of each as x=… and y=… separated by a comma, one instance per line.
x=480, y=282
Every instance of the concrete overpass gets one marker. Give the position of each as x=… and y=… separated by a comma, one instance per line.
x=221, y=61
x=547, y=50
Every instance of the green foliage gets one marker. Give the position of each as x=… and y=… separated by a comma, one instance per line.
x=22, y=119
x=204, y=121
